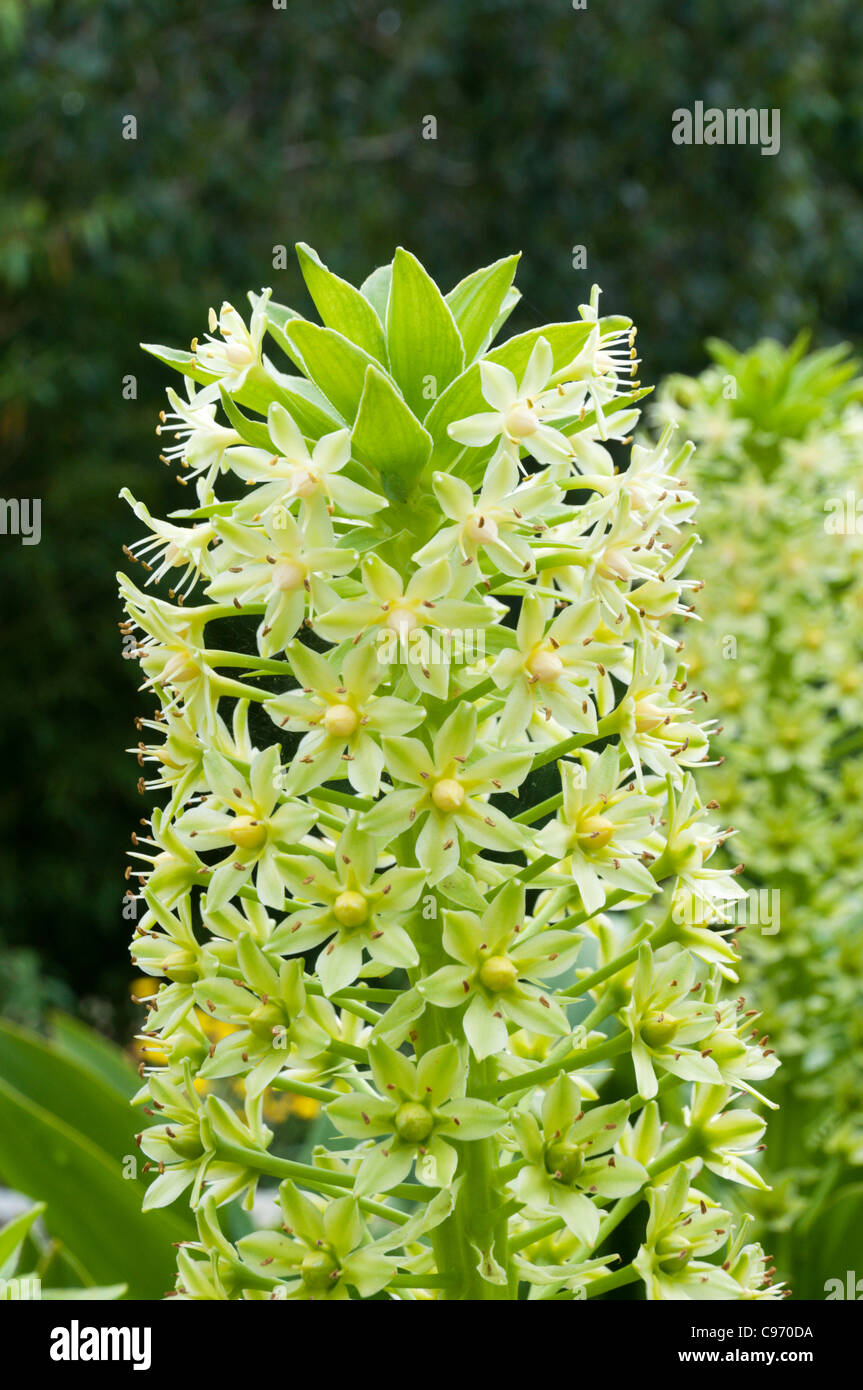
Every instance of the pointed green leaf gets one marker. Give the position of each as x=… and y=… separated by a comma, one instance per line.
x=387, y=436
x=477, y=301
x=278, y=317
x=182, y=360
x=341, y=306
x=253, y=431
x=376, y=289
x=12, y=1237
x=425, y=349
x=335, y=365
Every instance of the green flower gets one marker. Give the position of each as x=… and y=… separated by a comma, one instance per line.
x=169, y=547
x=492, y=527
x=204, y=445
x=268, y=1016
x=670, y=1021
x=352, y=907
x=571, y=1158
x=602, y=830
x=294, y=473
x=342, y=720
x=173, y=869
x=519, y=411
x=448, y=788
x=282, y=565
x=322, y=1253
x=324, y=1249
x=724, y=1135
x=678, y=1024
x=683, y=1227
x=411, y=622
x=554, y=677
x=494, y=965
x=245, y=814
x=652, y=721
x=422, y=1109
x=239, y=352
x=175, y=660
x=601, y=371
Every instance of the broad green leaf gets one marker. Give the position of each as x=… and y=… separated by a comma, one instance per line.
x=387, y=436
x=341, y=306
x=336, y=366
x=425, y=349
x=45, y=1076
x=376, y=289
x=476, y=302
x=90, y=1206
x=94, y=1053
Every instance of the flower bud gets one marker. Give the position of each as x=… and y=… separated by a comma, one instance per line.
x=658, y=1031
x=521, y=421
x=287, y=576
x=546, y=666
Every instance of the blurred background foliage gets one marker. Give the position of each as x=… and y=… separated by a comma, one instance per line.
x=259, y=126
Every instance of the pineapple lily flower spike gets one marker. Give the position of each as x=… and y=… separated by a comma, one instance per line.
x=426, y=752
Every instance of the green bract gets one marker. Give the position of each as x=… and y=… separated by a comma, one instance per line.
x=427, y=752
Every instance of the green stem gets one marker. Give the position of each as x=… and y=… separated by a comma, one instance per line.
x=285, y=1082
x=533, y=813
x=628, y=1275
x=213, y=657
x=597, y=977
x=566, y=745
x=573, y=1061
x=322, y=1178
x=474, y=692
x=353, y=803
x=478, y=1223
